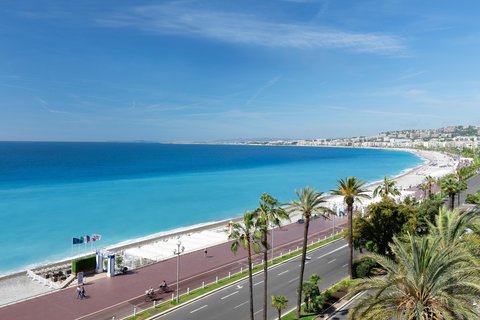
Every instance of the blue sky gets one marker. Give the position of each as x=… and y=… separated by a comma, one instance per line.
x=95, y=70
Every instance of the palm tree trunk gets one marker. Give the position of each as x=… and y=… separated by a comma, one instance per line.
x=302, y=266
x=350, y=239
x=279, y=314
x=452, y=201
x=265, y=275
x=250, y=280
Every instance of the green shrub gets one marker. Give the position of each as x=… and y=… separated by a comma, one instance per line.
x=363, y=267
x=84, y=264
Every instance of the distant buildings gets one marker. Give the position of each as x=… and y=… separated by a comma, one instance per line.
x=448, y=137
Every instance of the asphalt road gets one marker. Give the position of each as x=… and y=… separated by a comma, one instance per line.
x=473, y=185
x=342, y=313
x=329, y=262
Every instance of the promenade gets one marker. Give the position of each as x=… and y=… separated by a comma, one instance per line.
x=118, y=296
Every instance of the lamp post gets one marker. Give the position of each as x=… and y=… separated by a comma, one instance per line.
x=178, y=251
x=273, y=229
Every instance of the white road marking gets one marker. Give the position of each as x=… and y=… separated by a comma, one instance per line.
x=256, y=284
x=258, y=311
x=332, y=261
x=229, y=295
x=241, y=304
x=283, y=272
x=199, y=308
x=326, y=254
x=294, y=279
x=345, y=265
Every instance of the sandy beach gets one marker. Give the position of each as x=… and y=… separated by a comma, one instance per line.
x=151, y=249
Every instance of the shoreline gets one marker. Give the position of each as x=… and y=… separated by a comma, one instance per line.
x=161, y=235
x=158, y=246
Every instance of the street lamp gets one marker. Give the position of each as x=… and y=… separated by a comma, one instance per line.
x=178, y=251
x=273, y=229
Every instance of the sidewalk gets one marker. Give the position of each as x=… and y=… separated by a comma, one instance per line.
x=117, y=296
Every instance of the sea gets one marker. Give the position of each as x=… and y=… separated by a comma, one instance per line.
x=51, y=192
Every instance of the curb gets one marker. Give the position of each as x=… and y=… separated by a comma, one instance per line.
x=226, y=286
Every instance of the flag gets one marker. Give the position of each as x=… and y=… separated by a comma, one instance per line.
x=81, y=239
x=77, y=240
x=87, y=239
x=96, y=237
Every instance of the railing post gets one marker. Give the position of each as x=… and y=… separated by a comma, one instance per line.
x=216, y=279
x=188, y=290
x=203, y=284
x=228, y=274
x=134, y=311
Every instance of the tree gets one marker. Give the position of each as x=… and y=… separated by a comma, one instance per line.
x=451, y=185
x=309, y=202
x=424, y=187
x=425, y=213
x=386, y=189
x=279, y=303
x=268, y=213
x=351, y=189
x=425, y=281
x=246, y=234
x=382, y=221
x=451, y=226
x=473, y=198
x=311, y=293
x=430, y=182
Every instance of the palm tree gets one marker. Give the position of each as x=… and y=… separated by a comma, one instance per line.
x=246, y=234
x=451, y=226
x=452, y=186
x=424, y=187
x=426, y=281
x=279, y=303
x=309, y=202
x=430, y=181
x=269, y=213
x=351, y=189
x=387, y=188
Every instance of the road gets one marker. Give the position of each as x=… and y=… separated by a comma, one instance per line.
x=118, y=296
x=329, y=262
x=473, y=185
x=342, y=313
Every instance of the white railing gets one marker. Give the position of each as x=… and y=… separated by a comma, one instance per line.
x=42, y=280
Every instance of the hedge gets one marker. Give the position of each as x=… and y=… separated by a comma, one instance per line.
x=84, y=264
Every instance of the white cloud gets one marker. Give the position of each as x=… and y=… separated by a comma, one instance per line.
x=248, y=29
x=270, y=83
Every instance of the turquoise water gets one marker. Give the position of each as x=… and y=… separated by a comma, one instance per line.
x=51, y=192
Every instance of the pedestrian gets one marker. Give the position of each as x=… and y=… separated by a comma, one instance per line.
x=79, y=292
x=82, y=292
x=205, y=252
x=164, y=286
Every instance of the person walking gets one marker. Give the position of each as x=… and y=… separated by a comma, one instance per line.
x=79, y=292
x=82, y=292
x=205, y=252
